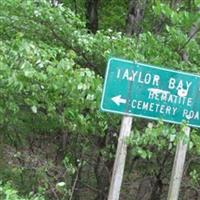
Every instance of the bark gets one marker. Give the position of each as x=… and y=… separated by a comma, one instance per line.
x=103, y=168
x=157, y=189
x=76, y=186
x=75, y=7
x=135, y=15
x=92, y=15
x=145, y=189
x=174, y=3
x=102, y=183
x=195, y=29
x=55, y=2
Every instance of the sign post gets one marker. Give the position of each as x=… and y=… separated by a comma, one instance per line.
x=120, y=159
x=178, y=168
x=141, y=90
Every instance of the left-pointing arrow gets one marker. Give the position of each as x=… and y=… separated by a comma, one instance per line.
x=118, y=100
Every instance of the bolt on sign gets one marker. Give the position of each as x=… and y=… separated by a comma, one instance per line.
x=151, y=92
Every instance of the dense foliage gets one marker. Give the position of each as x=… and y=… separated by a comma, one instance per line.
x=55, y=141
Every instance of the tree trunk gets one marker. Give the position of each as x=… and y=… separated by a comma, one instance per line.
x=101, y=179
x=174, y=3
x=92, y=15
x=195, y=28
x=145, y=189
x=55, y=2
x=103, y=168
x=135, y=15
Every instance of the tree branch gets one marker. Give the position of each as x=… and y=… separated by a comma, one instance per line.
x=191, y=36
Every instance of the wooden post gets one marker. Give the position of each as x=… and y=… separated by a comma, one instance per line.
x=178, y=167
x=120, y=159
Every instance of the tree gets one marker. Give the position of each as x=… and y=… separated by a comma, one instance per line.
x=55, y=2
x=135, y=15
x=92, y=14
x=51, y=79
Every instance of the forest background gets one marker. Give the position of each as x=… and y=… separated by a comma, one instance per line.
x=55, y=142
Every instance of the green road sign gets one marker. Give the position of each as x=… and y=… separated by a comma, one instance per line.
x=146, y=91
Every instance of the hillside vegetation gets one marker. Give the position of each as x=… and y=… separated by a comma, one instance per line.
x=55, y=142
